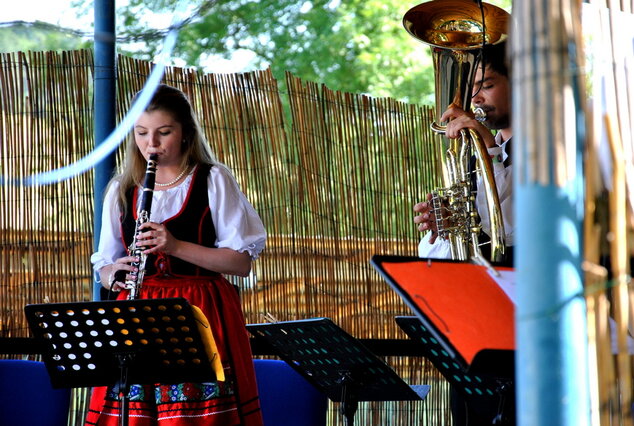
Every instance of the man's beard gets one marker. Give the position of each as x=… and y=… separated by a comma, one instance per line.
x=494, y=122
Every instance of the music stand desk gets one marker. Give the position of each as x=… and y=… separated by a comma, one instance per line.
x=464, y=320
x=120, y=342
x=336, y=363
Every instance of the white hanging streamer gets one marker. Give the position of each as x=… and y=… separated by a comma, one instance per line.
x=118, y=134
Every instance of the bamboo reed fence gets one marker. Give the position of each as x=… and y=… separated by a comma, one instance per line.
x=609, y=219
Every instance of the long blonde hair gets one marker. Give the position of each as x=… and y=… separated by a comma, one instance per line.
x=195, y=148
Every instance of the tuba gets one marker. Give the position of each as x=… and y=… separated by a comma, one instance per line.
x=455, y=32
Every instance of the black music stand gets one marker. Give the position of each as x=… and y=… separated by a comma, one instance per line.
x=335, y=363
x=487, y=382
x=471, y=348
x=119, y=343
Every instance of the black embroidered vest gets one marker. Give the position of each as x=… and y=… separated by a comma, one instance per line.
x=192, y=223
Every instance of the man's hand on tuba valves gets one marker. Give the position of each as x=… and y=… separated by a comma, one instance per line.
x=458, y=119
x=431, y=215
x=425, y=218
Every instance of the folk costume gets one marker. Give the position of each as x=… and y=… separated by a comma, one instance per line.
x=206, y=208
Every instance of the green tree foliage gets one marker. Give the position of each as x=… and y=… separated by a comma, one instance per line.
x=38, y=36
x=354, y=46
x=357, y=46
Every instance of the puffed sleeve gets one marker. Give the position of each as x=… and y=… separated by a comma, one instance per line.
x=238, y=226
x=440, y=249
x=110, y=244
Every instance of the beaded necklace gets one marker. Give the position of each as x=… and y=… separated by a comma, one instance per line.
x=172, y=182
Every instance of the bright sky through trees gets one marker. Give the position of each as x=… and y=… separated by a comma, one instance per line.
x=56, y=12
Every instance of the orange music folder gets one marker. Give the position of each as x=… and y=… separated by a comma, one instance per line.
x=460, y=300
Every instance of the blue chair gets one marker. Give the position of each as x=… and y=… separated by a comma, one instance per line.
x=27, y=397
x=286, y=398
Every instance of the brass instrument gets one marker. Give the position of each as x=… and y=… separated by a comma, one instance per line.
x=143, y=216
x=454, y=31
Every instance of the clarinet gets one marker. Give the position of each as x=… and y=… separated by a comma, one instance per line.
x=143, y=216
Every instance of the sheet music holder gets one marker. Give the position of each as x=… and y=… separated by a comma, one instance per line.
x=464, y=321
x=336, y=363
x=119, y=343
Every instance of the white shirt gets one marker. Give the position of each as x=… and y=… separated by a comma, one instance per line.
x=237, y=224
x=441, y=249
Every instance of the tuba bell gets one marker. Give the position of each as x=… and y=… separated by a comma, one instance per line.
x=456, y=30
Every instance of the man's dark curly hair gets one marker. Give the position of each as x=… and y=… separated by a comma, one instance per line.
x=494, y=56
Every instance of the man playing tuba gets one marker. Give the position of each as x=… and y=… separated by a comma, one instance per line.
x=491, y=93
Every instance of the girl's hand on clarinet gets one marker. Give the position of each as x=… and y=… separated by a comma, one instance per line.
x=156, y=238
x=114, y=276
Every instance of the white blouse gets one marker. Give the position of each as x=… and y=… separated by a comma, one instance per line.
x=237, y=224
x=503, y=176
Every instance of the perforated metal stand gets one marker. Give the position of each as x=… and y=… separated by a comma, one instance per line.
x=487, y=382
x=336, y=363
x=117, y=343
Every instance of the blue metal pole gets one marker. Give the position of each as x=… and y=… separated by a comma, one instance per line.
x=551, y=324
x=549, y=132
x=104, y=104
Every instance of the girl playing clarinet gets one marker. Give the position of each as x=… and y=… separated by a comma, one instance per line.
x=201, y=227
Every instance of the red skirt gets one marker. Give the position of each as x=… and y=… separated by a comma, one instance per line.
x=232, y=402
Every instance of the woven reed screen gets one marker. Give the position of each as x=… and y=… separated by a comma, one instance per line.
x=334, y=181
x=45, y=231
x=609, y=219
